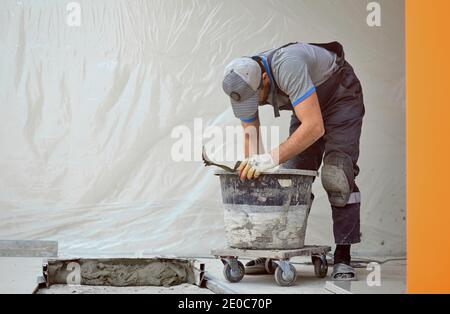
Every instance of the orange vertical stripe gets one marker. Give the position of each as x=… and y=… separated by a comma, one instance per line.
x=428, y=145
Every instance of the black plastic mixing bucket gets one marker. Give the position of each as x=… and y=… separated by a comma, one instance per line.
x=268, y=213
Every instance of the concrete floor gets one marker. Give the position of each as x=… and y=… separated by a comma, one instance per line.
x=393, y=278
x=181, y=289
x=19, y=274
x=19, y=277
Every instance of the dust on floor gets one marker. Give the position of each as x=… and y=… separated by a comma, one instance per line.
x=180, y=289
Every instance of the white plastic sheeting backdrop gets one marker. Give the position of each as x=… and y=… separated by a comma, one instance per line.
x=87, y=113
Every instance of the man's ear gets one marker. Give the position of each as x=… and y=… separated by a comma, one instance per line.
x=265, y=80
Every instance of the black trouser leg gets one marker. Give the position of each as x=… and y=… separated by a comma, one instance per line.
x=342, y=105
x=346, y=220
x=346, y=224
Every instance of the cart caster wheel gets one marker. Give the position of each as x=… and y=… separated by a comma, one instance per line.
x=320, y=266
x=285, y=274
x=270, y=266
x=233, y=271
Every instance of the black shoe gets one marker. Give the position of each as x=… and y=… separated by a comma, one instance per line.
x=256, y=267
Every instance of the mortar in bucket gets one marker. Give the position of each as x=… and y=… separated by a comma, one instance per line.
x=268, y=213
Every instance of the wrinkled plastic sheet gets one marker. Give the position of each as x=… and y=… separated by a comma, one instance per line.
x=87, y=113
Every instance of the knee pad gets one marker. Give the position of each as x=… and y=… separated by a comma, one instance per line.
x=338, y=178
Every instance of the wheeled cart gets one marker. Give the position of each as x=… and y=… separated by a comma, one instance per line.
x=277, y=262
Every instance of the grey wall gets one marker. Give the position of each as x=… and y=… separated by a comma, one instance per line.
x=87, y=114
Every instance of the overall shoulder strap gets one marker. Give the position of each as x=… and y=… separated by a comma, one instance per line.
x=276, y=110
x=276, y=91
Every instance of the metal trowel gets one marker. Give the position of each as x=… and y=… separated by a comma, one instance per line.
x=208, y=162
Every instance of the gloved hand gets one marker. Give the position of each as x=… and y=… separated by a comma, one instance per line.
x=252, y=167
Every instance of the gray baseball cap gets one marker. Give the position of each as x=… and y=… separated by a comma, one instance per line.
x=241, y=82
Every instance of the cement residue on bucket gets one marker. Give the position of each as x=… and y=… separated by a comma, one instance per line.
x=266, y=227
x=268, y=213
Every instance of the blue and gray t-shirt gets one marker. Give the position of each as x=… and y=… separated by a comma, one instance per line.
x=298, y=69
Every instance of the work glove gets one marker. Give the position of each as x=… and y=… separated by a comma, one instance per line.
x=251, y=168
